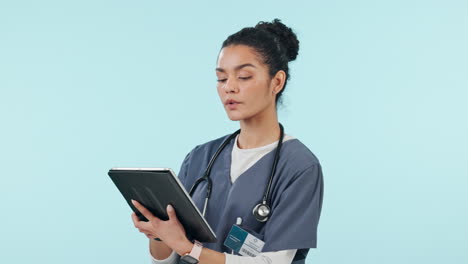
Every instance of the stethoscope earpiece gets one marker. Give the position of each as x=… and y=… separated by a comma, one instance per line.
x=261, y=212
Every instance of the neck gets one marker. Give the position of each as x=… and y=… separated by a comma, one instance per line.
x=259, y=131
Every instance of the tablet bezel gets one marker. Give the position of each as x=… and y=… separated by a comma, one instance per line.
x=173, y=175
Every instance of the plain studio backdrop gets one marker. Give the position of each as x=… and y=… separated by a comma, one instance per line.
x=378, y=93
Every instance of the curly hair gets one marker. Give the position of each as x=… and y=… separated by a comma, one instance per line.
x=276, y=44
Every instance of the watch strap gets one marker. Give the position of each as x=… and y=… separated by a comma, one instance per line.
x=196, y=250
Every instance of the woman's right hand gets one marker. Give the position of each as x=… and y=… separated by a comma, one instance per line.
x=146, y=233
x=171, y=231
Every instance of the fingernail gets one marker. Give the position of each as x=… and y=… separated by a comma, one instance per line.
x=169, y=207
x=133, y=201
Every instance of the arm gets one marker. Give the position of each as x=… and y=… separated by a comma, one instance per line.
x=161, y=254
x=172, y=234
x=277, y=257
x=273, y=257
x=174, y=239
x=209, y=256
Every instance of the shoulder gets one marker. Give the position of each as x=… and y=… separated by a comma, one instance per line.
x=205, y=150
x=197, y=159
x=297, y=154
x=300, y=176
x=210, y=146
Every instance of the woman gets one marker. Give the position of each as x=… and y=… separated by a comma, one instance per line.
x=252, y=71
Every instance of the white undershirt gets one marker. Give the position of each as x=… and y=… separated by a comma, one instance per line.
x=242, y=160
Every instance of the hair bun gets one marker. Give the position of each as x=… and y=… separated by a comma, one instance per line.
x=285, y=35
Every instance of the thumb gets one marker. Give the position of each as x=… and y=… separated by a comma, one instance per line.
x=171, y=212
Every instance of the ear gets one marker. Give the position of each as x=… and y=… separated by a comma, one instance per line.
x=277, y=82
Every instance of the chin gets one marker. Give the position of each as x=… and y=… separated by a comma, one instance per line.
x=235, y=116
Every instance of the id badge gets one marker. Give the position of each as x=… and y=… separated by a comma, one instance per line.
x=243, y=242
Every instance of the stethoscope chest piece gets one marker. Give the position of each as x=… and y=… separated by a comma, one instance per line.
x=261, y=212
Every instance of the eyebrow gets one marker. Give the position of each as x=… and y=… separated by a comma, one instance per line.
x=237, y=67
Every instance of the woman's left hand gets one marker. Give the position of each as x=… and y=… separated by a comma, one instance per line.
x=171, y=232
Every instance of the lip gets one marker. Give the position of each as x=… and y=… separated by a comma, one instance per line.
x=231, y=101
x=231, y=104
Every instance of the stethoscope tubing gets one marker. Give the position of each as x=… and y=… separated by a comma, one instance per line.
x=206, y=174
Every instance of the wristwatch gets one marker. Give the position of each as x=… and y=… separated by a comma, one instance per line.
x=194, y=256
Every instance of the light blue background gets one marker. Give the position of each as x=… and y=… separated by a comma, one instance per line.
x=378, y=93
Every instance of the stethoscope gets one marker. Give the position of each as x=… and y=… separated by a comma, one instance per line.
x=262, y=210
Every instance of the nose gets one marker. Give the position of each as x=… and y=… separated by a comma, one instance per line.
x=230, y=86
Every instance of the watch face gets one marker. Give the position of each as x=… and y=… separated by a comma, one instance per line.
x=187, y=259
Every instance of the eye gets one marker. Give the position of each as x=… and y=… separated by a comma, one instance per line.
x=245, y=78
x=221, y=80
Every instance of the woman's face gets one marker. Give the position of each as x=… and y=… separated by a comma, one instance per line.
x=244, y=84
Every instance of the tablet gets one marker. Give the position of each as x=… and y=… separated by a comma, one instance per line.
x=155, y=188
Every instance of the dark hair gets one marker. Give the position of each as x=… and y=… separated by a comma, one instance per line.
x=276, y=43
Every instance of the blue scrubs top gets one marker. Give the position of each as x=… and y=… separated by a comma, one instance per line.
x=296, y=195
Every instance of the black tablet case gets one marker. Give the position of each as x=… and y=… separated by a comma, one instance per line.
x=155, y=189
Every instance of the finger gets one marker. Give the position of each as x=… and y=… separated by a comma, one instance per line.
x=135, y=219
x=145, y=212
x=173, y=216
x=141, y=225
x=145, y=231
x=147, y=227
x=171, y=212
